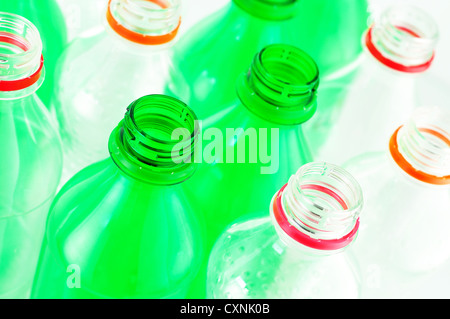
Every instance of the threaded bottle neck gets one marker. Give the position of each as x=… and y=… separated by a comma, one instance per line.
x=269, y=9
x=319, y=207
x=403, y=38
x=281, y=85
x=148, y=22
x=21, y=61
x=143, y=145
x=422, y=147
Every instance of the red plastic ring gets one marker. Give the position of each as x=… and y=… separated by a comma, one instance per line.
x=16, y=85
x=139, y=37
x=302, y=238
x=408, y=168
x=394, y=65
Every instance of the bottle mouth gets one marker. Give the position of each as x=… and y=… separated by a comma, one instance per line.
x=147, y=22
x=421, y=148
x=281, y=85
x=319, y=207
x=21, y=60
x=270, y=9
x=404, y=39
x=144, y=145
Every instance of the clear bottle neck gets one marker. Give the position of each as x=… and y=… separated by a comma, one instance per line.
x=21, y=60
x=144, y=145
x=281, y=85
x=421, y=148
x=319, y=208
x=269, y=9
x=403, y=38
x=145, y=22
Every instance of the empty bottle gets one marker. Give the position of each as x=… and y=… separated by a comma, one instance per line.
x=126, y=227
x=299, y=251
x=211, y=56
x=390, y=82
x=404, y=232
x=31, y=162
x=251, y=148
x=99, y=74
x=53, y=34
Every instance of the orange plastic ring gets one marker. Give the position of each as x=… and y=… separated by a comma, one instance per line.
x=409, y=169
x=139, y=37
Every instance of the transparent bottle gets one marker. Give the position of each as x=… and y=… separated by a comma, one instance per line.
x=31, y=162
x=404, y=232
x=126, y=227
x=211, y=55
x=390, y=82
x=99, y=74
x=300, y=250
x=251, y=148
x=53, y=34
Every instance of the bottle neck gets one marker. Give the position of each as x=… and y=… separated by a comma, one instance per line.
x=269, y=9
x=319, y=208
x=146, y=145
x=21, y=60
x=404, y=39
x=145, y=22
x=421, y=148
x=281, y=85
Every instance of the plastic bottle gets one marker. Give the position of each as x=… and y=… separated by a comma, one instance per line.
x=212, y=54
x=53, y=34
x=253, y=146
x=126, y=227
x=390, y=82
x=99, y=74
x=404, y=232
x=300, y=250
x=31, y=162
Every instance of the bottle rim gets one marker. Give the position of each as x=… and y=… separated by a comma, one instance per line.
x=20, y=33
x=141, y=38
x=320, y=244
x=407, y=167
x=377, y=54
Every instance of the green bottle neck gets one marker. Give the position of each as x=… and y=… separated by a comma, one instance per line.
x=269, y=9
x=281, y=85
x=143, y=145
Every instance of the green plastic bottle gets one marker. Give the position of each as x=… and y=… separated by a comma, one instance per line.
x=31, y=163
x=253, y=146
x=209, y=58
x=49, y=20
x=126, y=227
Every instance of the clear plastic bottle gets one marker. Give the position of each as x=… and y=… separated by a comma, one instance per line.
x=31, y=163
x=404, y=232
x=99, y=74
x=211, y=55
x=300, y=250
x=391, y=81
x=126, y=227
x=53, y=34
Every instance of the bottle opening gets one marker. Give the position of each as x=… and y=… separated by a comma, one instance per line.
x=281, y=85
x=421, y=148
x=319, y=207
x=404, y=39
x=269, y=9
x=21, y=61
x=143, y=144
x=148, y=22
